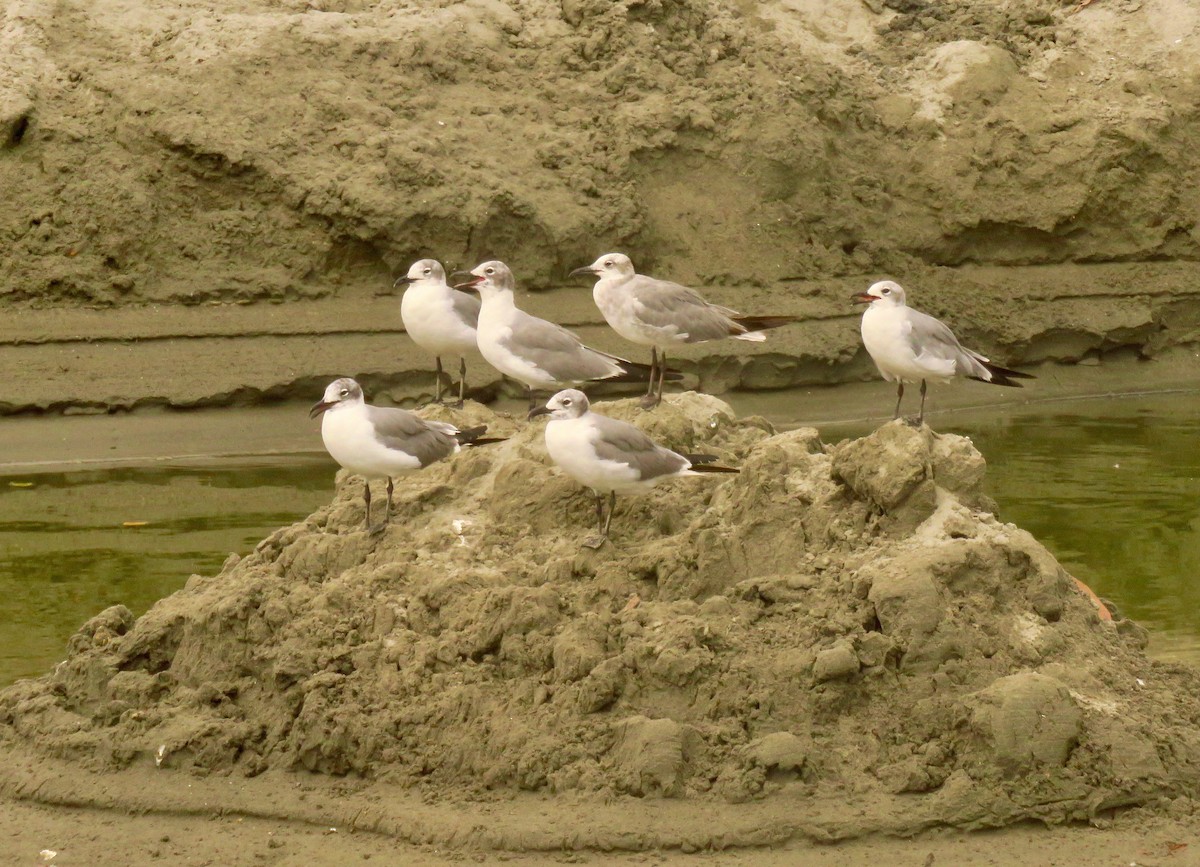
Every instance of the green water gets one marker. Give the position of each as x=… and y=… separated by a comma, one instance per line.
x=65, y=554
x=1111, y=486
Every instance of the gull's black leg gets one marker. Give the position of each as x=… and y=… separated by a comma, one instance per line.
x=899, y=397
x=438, y=387
x=462, y=382
x=612, y=505
x=367, y=501
x=659, y=366
x=601, y=527
x=921, y=414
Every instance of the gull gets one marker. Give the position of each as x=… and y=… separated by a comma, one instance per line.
x=908, y=345
x=537, y=353
x=382, y=442
x=609, y=455
x=659, y=314
x=438, y=318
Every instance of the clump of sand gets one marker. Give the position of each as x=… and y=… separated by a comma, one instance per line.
x=838, y=622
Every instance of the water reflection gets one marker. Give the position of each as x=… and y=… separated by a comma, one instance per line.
x=65, y=552
x=1111, y=486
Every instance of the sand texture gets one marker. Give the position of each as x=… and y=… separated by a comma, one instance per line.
x=192, y=181
x=842, y=638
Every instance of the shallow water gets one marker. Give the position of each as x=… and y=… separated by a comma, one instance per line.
x=1111, y=486
x=66, y=551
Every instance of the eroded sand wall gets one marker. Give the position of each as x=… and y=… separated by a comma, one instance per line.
x=1028, y=168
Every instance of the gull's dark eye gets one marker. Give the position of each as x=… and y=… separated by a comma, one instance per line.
x=609, y=263
x=566, y=401
x=886, y=291
x=428, y=271
x=345, y=392
x=489, y=270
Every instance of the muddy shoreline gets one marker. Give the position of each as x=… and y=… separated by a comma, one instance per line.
x=892, y=639
x=206, y=210
x=86, y=361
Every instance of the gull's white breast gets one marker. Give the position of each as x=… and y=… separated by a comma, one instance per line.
x=427, y=309
x=571, y=444
x=495, y=325
x=886, y=331
x=350, y=439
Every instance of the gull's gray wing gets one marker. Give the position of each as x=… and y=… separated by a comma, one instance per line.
x=466, y=307
x=622, y=442
x=933, y=338
x=667, y=305
x=557, y=351
x=427, y=441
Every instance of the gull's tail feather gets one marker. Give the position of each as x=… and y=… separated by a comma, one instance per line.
x=755, y=325
x=1003, y=376
x=704, y=464
x=474, y=436
x=632, y=371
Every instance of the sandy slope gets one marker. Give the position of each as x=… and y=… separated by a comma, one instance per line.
x=779, y=154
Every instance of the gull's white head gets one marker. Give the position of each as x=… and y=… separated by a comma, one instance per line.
x=423, y=269
x=339, y=393
x=608, y=265
x=569, y=403
x=886, y=292
x=489, y=279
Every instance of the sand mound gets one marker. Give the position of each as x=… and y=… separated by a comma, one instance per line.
x=846, y=624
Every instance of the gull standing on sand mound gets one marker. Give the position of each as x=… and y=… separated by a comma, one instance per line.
x=439, y=319
x=658, y=314
x=537, y=353
x=610, y=455
x=908, y=345
x=381, y=442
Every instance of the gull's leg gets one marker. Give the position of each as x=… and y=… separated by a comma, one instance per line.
x=659, y=366
x=438, y=386
x=601, y=528
x=921, y=414
x=462, y=382
x=387, y=513
x=367, y=501
x=899, y=397
x=612, y=504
